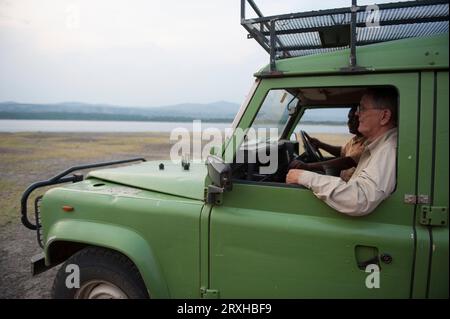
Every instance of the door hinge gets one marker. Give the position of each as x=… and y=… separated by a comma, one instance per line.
x=434, y=216
x=214, y=194
x=209, y=293
x=413, y=199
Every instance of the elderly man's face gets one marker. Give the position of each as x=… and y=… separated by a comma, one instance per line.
x=369, y=116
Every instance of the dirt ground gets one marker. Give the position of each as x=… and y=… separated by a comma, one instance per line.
x=29, y=157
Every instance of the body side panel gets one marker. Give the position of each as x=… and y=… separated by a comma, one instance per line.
x=439, y=284
x=169, y=226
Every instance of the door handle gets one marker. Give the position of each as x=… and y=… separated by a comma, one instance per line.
x=363, y=264
x=366, y=255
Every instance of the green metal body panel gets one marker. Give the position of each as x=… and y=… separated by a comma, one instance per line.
x=439, y=267
x=152, y=229
x=119, y=238
x=270, y=241
x=394, y=56
x=425, y=163
x=173, y=179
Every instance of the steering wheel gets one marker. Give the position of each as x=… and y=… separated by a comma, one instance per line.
x=311, y=151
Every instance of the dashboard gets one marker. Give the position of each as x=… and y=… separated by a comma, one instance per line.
x=264, y=161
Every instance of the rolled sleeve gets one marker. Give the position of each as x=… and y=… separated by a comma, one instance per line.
x=339, y=195
x=364, y=191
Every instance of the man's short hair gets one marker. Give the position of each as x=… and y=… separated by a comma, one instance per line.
x=385, y=98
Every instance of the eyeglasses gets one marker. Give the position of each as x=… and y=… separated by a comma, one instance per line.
x=362, y=109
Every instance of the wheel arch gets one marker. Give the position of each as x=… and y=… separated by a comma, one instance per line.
x=67, y=237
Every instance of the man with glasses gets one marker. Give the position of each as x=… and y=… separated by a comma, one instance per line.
x=374, y=177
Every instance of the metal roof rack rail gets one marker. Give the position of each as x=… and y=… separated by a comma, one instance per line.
x=313, y=32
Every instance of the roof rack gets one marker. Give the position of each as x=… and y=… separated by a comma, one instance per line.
x=305, y=33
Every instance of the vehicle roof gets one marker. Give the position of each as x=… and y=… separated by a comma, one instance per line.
x=399, y=55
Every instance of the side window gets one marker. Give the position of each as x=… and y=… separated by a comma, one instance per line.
x=323, y=124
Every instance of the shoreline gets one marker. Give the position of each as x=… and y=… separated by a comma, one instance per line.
x=69, y=126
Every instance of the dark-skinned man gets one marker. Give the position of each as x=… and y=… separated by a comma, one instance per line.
x=347, y=156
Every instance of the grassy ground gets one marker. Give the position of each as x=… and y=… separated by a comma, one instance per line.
x=29, y=157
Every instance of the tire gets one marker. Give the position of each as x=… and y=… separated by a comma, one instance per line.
x=103, y=274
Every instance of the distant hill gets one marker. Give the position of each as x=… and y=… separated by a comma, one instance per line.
x=218, y=111
x=221, y=111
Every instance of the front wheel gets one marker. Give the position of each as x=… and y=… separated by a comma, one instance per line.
x=103, y=274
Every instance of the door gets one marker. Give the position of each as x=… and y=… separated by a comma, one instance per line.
x=270, y=241
x=432, y=263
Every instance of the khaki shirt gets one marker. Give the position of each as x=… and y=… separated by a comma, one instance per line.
x=353, y=149
x=373, y=180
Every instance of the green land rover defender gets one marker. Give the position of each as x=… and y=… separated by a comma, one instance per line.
x=223, y=229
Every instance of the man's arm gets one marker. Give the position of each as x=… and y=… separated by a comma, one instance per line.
x=339, y=163
x=362, y=194
x=333, y=150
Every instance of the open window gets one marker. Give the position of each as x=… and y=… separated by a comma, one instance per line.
x=284, y=126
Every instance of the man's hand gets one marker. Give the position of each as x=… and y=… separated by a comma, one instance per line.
x=293, y=175
x=297, y=164
x=315, y=142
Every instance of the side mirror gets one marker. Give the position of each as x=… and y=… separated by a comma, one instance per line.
x=219, y=172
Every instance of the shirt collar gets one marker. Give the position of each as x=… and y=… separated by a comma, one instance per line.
x=381, y=139
x=359, y=139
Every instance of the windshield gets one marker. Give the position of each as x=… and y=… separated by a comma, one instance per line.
x=273, y=114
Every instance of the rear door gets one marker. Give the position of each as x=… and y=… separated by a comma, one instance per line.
x=283, y=242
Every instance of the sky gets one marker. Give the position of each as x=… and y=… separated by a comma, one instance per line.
x=132, y=53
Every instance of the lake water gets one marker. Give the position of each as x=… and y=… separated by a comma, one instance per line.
x=125, y=126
